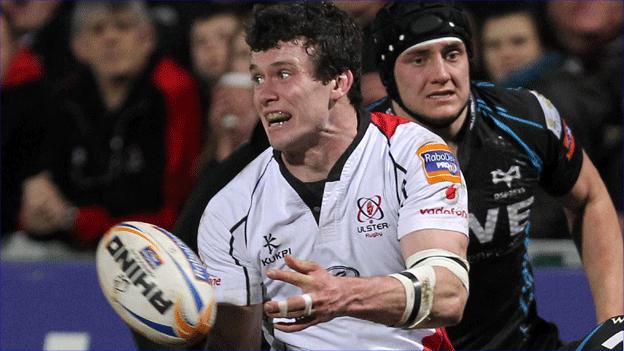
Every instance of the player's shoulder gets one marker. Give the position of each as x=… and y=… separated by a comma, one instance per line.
x=515, y=105
x=236, y=195
x=401, y=134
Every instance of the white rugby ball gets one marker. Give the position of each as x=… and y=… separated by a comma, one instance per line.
x=155, y=283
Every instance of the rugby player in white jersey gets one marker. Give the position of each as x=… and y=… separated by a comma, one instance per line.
x=350, y=231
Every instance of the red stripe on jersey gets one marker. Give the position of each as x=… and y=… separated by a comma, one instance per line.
x=437, y=341
x=387, y=123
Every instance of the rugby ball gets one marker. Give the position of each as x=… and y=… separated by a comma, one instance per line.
x=155, y=283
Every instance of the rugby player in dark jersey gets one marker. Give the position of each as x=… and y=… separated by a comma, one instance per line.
x=509, y=142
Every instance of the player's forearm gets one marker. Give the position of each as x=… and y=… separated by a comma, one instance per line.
x=602, y=257
x=377, y=299
x=382, y=300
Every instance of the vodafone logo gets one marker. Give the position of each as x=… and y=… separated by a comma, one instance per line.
x=444, y=211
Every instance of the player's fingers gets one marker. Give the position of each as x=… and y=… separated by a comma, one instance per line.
x=301, y=266
x=293, y=278
x=297, y=306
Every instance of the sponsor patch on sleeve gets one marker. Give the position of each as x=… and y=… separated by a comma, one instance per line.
x=553, y=120
x=568, y=141
x=439, y=163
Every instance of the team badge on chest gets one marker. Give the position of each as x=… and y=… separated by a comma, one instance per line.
x=371, y=214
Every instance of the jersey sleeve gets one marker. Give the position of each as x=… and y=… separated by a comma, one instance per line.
x=433, y=192
x=563, y=155
x=235, y=280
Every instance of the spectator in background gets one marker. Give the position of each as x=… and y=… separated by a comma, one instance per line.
x=231, y=143
x=210, y=37
x=591, y=31
x=516, y=54
x=126, y=137
x=23, y=116
x=363, y=13
x=231, y=117
x=43, y=27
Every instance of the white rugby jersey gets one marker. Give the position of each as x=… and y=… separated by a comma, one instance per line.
x=396, y=178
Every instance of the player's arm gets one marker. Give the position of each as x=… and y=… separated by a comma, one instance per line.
x=236, y=328
x=594, y=221
x=431, y=295
x=236, y=281
x=447, y=257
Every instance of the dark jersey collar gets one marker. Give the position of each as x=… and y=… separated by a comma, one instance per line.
x=312, y=193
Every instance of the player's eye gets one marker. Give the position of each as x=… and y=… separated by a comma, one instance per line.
x=418, y=60
x=453, y=55
x=257, y=79
x=283, y=74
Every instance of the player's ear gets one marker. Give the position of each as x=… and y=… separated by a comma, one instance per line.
x=341, y=84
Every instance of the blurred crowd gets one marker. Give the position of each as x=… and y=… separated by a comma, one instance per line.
x=112, y=110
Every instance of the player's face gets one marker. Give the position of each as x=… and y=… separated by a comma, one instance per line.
x=433, y=80
x=292, y=104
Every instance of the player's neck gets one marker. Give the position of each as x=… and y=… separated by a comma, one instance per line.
x=316, y=161
x=451, y=133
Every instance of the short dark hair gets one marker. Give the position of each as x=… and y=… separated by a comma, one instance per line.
x=336, y=39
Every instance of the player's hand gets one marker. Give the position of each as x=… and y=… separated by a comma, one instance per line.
x=327, y=296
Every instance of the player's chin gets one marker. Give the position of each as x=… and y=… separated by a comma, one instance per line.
x=440, y=120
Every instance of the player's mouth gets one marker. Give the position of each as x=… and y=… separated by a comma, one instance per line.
x=441, y=95
x=277, y=118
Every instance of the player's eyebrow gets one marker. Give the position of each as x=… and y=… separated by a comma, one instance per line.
x=253, y=67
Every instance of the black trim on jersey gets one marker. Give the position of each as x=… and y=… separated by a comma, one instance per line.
x=312, y=193
x=399, y=187
x=235, y=226
x=266, y=167
x=461, y=263
x=231, y=252
x=244, y=220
